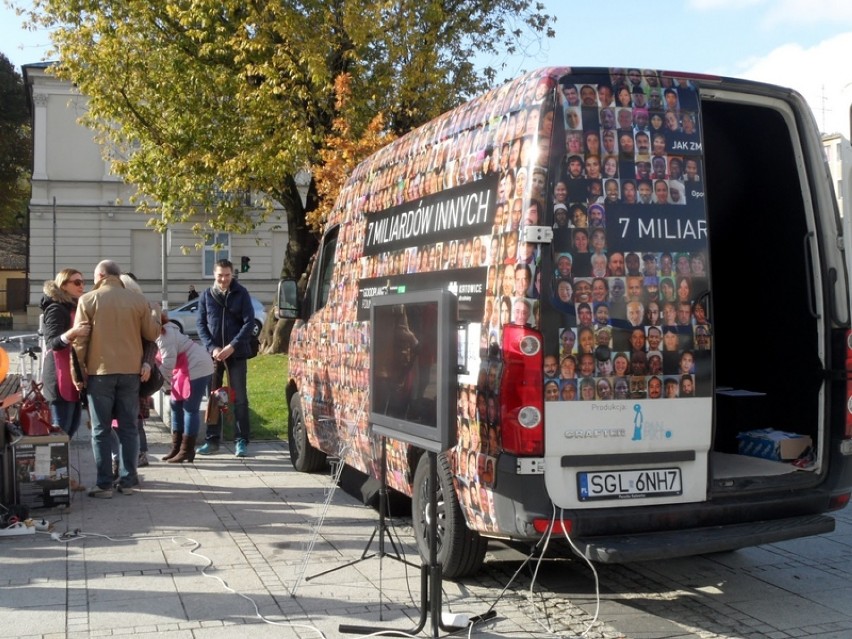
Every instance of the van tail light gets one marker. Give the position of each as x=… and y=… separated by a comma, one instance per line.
x=560, y=526
x=838, y=501
x=522, y=392
x=848, y=430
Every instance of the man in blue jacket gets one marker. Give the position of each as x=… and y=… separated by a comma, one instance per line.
x=225, y=324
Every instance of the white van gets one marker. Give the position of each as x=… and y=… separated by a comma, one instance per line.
x=651, y=274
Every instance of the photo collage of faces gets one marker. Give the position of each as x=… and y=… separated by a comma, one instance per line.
x=474, y=458
x=519, y=154
x=501, y=134
x=506, y=135
x=631, y=137
x=633, y=323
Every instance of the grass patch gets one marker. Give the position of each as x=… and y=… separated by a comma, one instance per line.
x=267, y=378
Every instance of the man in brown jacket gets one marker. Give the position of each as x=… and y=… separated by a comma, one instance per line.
x=111, y=360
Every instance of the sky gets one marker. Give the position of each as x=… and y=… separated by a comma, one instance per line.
x=802, y=44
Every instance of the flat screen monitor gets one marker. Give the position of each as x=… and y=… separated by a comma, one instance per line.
x=413, y=367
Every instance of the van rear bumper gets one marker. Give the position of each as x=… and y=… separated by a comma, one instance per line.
x=699, y=541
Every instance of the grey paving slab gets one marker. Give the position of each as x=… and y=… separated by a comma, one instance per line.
x=22, y=621
x=150, y=565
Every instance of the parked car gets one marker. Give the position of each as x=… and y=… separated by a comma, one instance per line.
x=186, y=314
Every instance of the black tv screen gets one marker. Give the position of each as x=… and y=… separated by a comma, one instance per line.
x=413, y=368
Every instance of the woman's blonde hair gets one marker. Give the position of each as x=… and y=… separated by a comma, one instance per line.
x=64, y=276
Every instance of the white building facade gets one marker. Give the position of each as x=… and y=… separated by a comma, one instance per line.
x=79, y=214
x=838, y=153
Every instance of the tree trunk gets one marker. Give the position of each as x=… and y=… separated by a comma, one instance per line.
x=301, y=247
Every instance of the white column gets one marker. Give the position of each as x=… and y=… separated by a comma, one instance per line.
x=40, y=101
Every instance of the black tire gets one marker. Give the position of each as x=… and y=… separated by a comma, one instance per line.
x=461, y=551
x=304, y=457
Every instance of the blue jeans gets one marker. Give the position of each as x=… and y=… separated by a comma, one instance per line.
x=143, y=440
x=186, y=413
x=237, y=370
x=114, y=396
x=66, y=415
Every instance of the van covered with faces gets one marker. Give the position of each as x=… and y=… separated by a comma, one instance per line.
x=650, y=312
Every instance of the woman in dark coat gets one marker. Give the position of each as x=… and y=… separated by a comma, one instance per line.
x=58, y=307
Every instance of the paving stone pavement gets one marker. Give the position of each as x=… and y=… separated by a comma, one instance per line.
x=202, y=549
x=205, y=550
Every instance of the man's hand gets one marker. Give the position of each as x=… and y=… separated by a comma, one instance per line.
x=145, y=373
x=81, y=330
x=221, y=354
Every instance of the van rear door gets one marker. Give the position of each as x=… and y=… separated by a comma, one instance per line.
x=625, y=305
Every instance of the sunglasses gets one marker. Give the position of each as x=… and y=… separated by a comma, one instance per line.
x=76, y=282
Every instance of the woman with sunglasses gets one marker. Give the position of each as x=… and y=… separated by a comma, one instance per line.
x=58, y=306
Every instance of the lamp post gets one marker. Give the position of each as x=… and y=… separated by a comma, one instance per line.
x=164, y=262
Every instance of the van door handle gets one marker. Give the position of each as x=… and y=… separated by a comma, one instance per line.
x=808, y=271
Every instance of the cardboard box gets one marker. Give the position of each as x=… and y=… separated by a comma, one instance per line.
x=777, y=445
x=40, y=469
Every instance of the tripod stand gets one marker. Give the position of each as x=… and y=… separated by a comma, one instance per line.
x=380, y=530
x=430, y=575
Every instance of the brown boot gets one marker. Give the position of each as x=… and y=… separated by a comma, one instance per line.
x=187, y=450
x=176, y=440
x=190, y=448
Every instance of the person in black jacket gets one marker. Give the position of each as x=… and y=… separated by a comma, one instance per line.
x=58, y=306
x=225, y=325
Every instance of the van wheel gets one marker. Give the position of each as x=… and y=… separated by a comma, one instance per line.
x=461, y=551
x=304, y=457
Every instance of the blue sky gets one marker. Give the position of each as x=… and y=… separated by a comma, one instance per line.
x=802, y=44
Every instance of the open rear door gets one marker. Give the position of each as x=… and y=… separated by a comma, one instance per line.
x=625, y=311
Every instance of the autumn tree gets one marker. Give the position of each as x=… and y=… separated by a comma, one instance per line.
x=198, y=102
x=342, y=152
x=15, y=146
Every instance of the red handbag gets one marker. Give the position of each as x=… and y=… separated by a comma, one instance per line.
x=34, y=414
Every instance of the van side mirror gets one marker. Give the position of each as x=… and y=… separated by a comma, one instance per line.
x=287, y=305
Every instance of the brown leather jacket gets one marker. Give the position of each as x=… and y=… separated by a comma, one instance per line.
x=119, y=318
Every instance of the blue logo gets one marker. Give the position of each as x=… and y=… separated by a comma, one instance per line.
x=638, y=422
x=653, y=431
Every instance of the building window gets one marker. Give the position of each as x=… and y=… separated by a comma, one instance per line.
x=216, y=248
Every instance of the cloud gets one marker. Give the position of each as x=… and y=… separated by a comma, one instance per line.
x=820, y=73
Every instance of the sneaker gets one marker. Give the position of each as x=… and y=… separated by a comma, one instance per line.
x=241, y=449
x=142, y=460
x=124, y=490
x=100, y=493
x=208, y=448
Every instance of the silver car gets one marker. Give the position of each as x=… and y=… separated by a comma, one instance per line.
x=186, y=314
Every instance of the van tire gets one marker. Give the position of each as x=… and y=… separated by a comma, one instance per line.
x=304, y=457
x=461, y=551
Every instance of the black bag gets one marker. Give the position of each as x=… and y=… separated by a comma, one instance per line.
x=155, y=379
x=155, y=382
x=254, y=341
